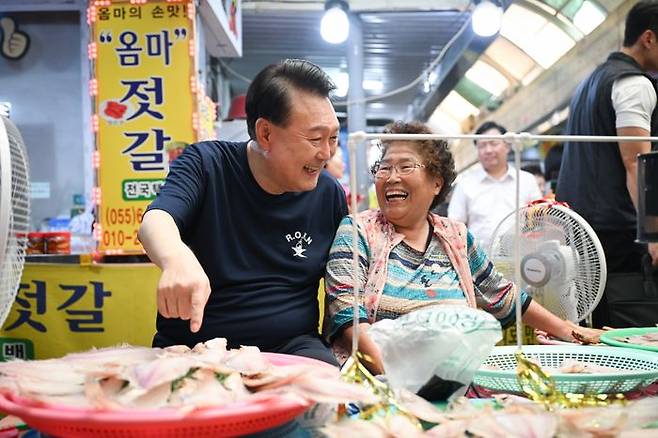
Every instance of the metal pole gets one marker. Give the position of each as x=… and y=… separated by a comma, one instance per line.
x=356, y=114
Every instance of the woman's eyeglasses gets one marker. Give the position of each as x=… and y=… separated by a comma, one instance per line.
x=385, y=170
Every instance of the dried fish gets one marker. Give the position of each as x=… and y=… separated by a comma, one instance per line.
x=179, y=377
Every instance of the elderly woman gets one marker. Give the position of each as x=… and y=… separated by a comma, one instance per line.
x=411, y=258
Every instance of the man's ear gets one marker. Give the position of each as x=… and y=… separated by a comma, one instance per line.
x=264, y=133
x=647, y=37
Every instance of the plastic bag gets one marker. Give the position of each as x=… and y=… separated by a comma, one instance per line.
x=446, y=341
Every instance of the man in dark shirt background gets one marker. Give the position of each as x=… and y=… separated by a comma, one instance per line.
x=599, y=180
x=242, y=231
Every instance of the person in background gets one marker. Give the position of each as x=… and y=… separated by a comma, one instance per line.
x=486, y=195
x=599, y=180
x=242, y=230
x=535, y=171
x=552, y=164
x=336, y=168
x=336, y=165
x=411, y=258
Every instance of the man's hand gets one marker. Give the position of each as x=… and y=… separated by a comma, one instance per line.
x=653, y=251
x=183, y=289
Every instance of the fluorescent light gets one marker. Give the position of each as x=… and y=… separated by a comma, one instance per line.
x=486, y=18
x=335, y=25
x=342, y=81
x=373, y=85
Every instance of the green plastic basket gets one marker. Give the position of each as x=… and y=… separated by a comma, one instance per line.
x=641, y=368
x=609, y=337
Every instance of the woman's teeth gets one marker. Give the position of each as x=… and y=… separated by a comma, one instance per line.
x=396, y=195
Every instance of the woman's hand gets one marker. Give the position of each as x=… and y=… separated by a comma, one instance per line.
x=578, y=335
x=585, y=335
x=541, y=319
x=372, y=356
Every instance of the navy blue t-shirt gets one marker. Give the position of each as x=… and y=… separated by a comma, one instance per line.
x=264, y=254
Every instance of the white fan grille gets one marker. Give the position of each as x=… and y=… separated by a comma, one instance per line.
x=14, y=225
x=543, y=223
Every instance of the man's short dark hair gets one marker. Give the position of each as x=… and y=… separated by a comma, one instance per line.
x=268, y=95
x=489, y=125
x=643, y=16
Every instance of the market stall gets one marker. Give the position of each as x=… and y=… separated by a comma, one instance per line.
x=61, y=310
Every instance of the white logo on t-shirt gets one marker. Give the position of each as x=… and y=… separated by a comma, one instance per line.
x=301, y=240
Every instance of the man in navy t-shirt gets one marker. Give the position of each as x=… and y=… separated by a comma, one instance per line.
x=241, y=231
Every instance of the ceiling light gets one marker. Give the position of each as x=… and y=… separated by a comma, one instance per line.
x=335, y=25
x=486, y=18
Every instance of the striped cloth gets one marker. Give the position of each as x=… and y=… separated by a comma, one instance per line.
x=414, y=280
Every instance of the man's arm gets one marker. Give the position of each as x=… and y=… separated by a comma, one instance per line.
x=183, y=289
x=629, y=151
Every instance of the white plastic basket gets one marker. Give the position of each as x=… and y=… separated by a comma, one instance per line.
x=640, y=368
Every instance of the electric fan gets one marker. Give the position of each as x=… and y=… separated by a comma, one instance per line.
x=14, y=212
x=562, y=261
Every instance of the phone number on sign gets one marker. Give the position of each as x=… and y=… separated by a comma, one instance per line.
x=113, y=237
x=119, y=238
x=124, y=216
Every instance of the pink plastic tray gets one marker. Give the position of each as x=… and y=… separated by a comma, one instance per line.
x=228, y=420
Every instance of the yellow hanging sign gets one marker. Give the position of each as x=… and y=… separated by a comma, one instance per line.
x=145, y=89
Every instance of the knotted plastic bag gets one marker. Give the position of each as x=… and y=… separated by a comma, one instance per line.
x=446, y=341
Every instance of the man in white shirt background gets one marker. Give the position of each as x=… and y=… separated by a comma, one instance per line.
x=486, y=194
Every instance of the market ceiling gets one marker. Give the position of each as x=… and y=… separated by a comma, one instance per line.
x=401, y=39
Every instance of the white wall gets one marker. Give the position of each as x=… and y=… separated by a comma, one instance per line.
x=44, y=88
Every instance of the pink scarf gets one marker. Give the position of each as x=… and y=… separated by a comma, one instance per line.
x=382, y=237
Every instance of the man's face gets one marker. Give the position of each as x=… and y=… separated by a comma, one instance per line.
x=299, y=150
x=492, y=153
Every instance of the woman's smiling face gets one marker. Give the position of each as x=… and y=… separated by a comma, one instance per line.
x=405, y=199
